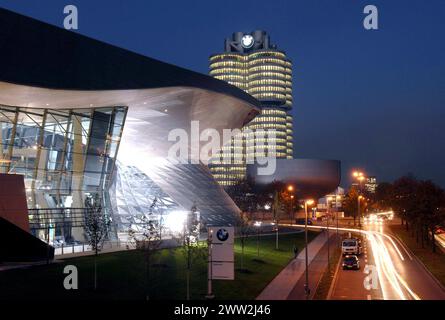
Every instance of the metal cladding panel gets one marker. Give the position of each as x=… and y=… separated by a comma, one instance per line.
x=38, y=54
x=312, y=178
x=43, y=65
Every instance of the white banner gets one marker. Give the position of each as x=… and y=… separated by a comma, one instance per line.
x=222, y=259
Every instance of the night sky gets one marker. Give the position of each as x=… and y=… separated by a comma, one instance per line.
x=373, y=99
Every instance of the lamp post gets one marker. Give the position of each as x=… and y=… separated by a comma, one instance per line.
x=258, y=242
x=210, y=266
x=327, y=228
x=290, y=189
x=275, y=205
x=337, y=197
x=359, y=176
x=258, y=226
x=359, y=211
x=360, y=179
x=306, y=285
x=291, y=207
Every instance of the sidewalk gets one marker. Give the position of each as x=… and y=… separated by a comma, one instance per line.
x=317, y=268
x=283, y=284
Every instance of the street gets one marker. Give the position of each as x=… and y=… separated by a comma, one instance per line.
x=349, y=284
x=401, y=276
x=397, y=274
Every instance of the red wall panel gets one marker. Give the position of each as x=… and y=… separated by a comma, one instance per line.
x=13, y=206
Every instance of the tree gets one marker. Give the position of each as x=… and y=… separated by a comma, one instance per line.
x=276, y=209
x=279, y=199
x=404, y=199
x=420, y=204
x=438, y=220
x=96, y=227
x=429, y=210
x=350, y=203
x=191, y=246
x=146, y=236
x=243, y=195
x=243, y=230
x=383, y=196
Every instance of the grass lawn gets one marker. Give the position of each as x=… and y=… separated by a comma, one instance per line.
x=435, y=262
x=328, y=276
x=121, y=275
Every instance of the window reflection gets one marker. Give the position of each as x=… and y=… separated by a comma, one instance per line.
x=63, y=155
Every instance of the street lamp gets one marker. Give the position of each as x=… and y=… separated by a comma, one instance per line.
x=276, y=216
x=257, y=224
x=359, y=176
x=358, y=210
x=327, y=227
x=290, y=188
x=337, y=197
x=306, y=285
x=291, y=207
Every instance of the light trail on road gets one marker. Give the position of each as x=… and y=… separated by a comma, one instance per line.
x=392, y=283
x=440, y=238
x=378, y=267
x=384, y=262
x=395, y=246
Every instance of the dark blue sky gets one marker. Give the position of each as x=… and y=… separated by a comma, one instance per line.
x=372, y=99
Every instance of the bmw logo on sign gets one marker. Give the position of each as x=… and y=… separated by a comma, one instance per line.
x=222, y=234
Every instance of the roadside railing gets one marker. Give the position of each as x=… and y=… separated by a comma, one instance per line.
x=66, y=249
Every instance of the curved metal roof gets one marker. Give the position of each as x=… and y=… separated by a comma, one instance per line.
x=35, y=54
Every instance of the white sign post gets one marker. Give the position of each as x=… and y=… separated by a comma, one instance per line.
x=221, y=261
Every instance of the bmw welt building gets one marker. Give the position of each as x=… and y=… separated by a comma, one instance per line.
x=82, y=118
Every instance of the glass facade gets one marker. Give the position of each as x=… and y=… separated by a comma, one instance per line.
x=265, y=73
x=64, y=155
x=133, y=196
x=168, y=191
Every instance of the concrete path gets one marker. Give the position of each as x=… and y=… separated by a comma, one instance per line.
x=283, y=284
x=317, y=268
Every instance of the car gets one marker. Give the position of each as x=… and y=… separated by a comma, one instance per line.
x=302, y=221
x=351, y=262
x=257, y=223
x=351, y=246
x=440, y=230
